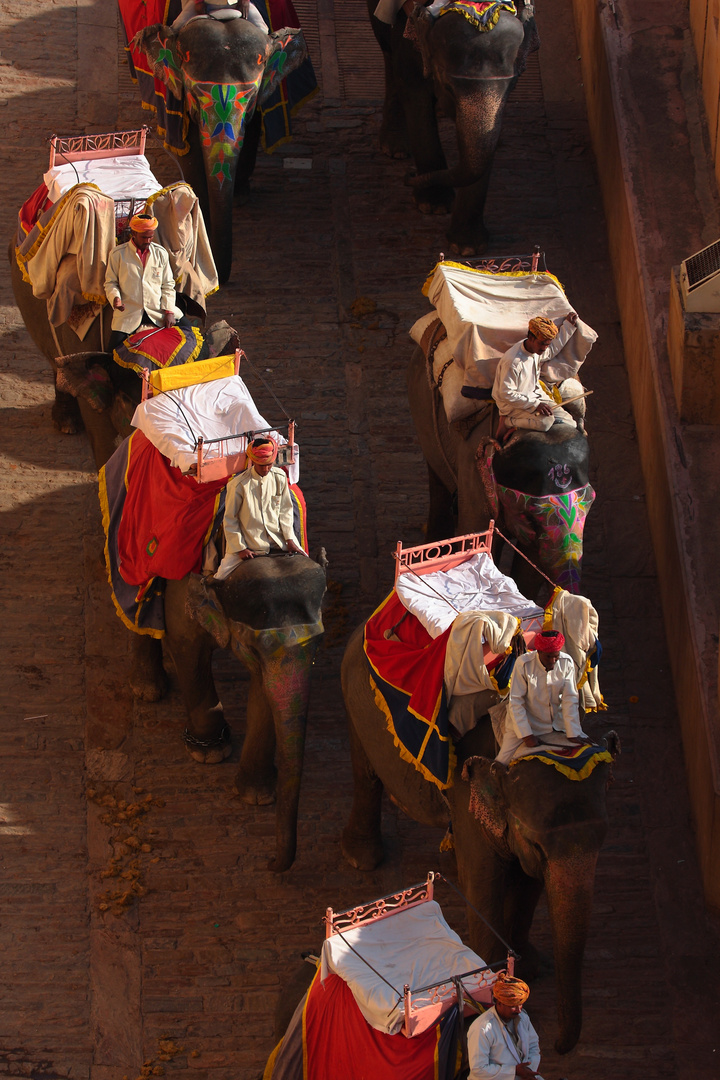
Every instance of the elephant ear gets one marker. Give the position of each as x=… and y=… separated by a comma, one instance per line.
x=203, y=605
x=82, y=376
x=287, y=52
x=487, y=801
x=160, y=45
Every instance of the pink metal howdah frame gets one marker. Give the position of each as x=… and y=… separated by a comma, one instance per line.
x=229, y=463
x=89, y=147
x=423, y=1005
x=506, y=264
x=442, y=554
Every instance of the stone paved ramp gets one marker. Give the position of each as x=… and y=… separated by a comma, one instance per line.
x=200, y=960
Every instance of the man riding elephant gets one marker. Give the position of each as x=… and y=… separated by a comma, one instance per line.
x=139, y=283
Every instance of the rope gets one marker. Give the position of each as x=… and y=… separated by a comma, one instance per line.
x=531, y=563
x=267, y=387
x=511, y=951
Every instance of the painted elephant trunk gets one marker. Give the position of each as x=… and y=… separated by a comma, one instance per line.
x=569, y=885
x=222, y=110
x=286, y=679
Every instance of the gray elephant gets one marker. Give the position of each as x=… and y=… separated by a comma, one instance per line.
x=221, y=71
x=538, y=485
x=269, y=613
x=468, y=75
x=100, y=397
x=515, y=830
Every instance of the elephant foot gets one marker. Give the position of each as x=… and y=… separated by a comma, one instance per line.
x=209, y=751
x=434, y=201
x=255, y=792
x=362, y=852
x=148, y=680
x=467, y=249
x=393, y=143
x=66, y=417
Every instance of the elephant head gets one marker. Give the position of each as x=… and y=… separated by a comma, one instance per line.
x=268, y=613
x=221, y=70
x=543, y=495
x=553, y=827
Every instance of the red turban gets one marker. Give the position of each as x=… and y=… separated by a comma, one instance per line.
x=510, y=991
x=544, y=328
x=549, y=641
x=143, y=223
x=262, y=451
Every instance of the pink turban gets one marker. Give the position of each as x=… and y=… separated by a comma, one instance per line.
x=549, y=641
x=262, y=451
x=143, y=223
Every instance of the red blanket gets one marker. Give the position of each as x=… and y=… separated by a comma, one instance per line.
x=166, y=517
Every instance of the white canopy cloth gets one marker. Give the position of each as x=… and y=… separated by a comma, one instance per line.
x=475, y=585
x=172, y=421
x=125, y=177
x=414, y=946
x=484, y=314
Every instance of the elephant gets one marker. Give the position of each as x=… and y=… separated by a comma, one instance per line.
x=222, y=71
x=533, y=827
x=538, y=483
x=468, y=75
x=102, y=405
x=269, y=613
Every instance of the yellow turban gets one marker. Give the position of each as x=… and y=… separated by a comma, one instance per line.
x=143, y=223
x=544, y=328
x=262, y=451
x=510, y=991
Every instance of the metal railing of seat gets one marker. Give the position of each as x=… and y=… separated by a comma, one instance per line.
x=506, y=264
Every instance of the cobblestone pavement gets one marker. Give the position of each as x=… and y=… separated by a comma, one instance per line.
x=187, y=979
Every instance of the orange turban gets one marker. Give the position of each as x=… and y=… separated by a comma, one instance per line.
x=510, y=991
x=143, y=223
x=262, y=451
x=549, y=641
x=544, y=328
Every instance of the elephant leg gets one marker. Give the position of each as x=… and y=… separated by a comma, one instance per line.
x=441, y=514
x=521, y=899
x=394, y=141
x=147, y=678
x=421, y=121
x=483, y=875
x=361, y=839
x=247, y=158
x=207, y=738
x=286, y=678
x=256, y=778
x=65, y=412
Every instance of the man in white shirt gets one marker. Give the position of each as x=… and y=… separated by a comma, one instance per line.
x=258, y=510
x=139, y=283
x=543, y=697
x=521, y=401
x=502, y=1043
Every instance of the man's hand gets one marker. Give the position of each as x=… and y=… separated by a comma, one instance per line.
x=118, y=304
x=244, y=6
x=168, y=319
x=572, y=318
x=543, y=410
x=531, y=740
x=292, y=546
x=525, y=1072
x=246, y=554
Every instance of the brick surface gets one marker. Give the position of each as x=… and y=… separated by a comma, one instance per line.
x=203, y=956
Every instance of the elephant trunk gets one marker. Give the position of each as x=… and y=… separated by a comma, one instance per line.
x=286, y=680
x=569, y=884
x=220, y=170
x=479, y=105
